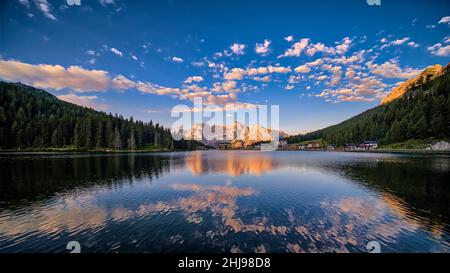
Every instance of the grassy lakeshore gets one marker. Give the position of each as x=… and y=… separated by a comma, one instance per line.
x=390, y=151
x=402, y=151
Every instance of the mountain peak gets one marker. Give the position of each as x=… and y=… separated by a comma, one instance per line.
x=429, y=74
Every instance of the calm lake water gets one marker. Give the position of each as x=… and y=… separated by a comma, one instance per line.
x=217, y=201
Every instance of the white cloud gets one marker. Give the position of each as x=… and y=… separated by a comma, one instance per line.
x=279, y=69
x=55, y=76
x=289, y=87
x=262, y=79
x=267, y=70
x=25, y=3
x=344, y=95
x=344, y=46
x=194, y=79
x=337, y=73
x=413, y=44
x=318, y=47
x=440, y=50
x=296, y=49
x=321, y=78
x=289, y=38
x=235, y=74
x=151, y=111
x=223, y=99
x=117, y=52
x=355, y=99
x=107, y=2
x=350, y=73
x=151, y=88
x=45, y=7
x=400, y=41
x=42, y=5
x=392, y=70
x=120, y=82
x=225, y=87
x=315, y=63
x=86, y=101
x=302, y=69
x=238, y=49
x=198, y=64
x=177, y=59
x=91, y=53
x=305, y=45
x=257, y=71
x=445, y=20
x=347, y=60
x=263, y=49
x=195, y=88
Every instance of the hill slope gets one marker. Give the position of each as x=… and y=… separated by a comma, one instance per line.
x=417, y=109
x=33, y=118
x=426, y=76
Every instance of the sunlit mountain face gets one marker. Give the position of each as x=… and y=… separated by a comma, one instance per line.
x=249, y=135
x=141, y=59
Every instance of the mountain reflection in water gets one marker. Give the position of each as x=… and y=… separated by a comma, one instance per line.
x=232, y=201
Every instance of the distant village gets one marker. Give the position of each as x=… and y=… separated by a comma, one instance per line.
x=317, y=146
x=252, y=137
x=309, y=146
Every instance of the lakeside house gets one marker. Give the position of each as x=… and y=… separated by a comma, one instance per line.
x=366, y=145
x=440, y=146
x=310, y=146
x=331, y=147
x=369, y=145
x=282, y=143
x=313, y=145
x=224, y=146
x=350, y=147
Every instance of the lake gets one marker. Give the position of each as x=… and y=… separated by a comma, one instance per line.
x=225, y=201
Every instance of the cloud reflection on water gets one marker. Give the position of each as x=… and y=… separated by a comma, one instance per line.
x=343, y=223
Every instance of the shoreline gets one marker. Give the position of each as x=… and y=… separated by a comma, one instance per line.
x=62, y=152
x=404, y=151
x=380, y=151
x=69, y=152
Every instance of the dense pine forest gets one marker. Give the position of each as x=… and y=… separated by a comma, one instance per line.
x=423, y=112
x=33, y=118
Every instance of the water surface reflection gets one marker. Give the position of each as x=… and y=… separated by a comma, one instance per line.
x=225, y=202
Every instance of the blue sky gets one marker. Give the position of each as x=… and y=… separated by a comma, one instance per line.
x=321, y=61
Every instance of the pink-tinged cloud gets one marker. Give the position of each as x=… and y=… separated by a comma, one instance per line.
x=392, y=70
x=120, y=82
x=86, y=101
x=55, y=76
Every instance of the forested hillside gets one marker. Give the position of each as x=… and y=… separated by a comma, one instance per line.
x=33, y=118
x=422, y=112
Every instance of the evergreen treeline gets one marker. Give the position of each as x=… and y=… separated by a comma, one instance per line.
x=421, y=113
x=33, y=118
